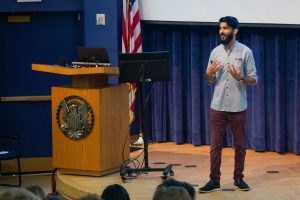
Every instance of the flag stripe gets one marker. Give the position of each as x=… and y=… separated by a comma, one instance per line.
x=131, y=40
x=138, y=43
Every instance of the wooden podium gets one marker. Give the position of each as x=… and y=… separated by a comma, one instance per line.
x=104, y=149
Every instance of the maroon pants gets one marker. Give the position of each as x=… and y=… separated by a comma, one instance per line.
x=218, y=123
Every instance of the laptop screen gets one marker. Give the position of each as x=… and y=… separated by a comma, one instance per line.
x=89, y=54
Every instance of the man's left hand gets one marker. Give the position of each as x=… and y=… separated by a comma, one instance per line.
x=236, y=73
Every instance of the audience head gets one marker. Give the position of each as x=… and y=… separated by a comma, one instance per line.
x=37, y=190
x=172, y=182
x=171, y=193
x=18, y=194
x=115, y=192
x=90, y=197
x=54, y=196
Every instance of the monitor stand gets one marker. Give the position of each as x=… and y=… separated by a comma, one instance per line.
x=126, y=171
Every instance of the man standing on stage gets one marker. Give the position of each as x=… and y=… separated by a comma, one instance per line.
x=231, y=68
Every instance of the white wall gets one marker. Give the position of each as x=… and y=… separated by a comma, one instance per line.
x=247, y=11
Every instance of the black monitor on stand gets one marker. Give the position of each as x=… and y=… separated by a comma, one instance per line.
x=150, y=66
x=140, y=68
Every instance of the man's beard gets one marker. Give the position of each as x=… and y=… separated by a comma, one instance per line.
x=227, y=39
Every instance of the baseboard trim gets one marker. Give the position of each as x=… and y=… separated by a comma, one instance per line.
x=25, y=98
x=28, y=165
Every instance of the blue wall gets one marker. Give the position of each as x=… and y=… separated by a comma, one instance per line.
x=103, y=36
x=44, y=6
x=97, y=36
x=57, y=27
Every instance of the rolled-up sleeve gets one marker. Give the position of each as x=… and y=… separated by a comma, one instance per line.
x=250, y=65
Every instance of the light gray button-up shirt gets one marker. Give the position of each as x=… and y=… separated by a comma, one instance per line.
x=229, y=94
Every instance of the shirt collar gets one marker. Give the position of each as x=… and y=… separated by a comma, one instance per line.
x=231, y=47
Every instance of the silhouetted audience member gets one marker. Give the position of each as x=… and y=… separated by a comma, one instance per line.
x=37, y=190
x=115, y=192
x=172, y=182
x=171, y=193
x=18, y=194
x=90, y=197
x=54, y=196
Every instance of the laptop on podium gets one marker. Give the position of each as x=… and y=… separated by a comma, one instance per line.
x=93, y=55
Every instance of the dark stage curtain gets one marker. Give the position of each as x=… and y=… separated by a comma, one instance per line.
x=178, y=110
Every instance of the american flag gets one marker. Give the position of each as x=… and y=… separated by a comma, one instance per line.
x=131, y=41
x=131, y=28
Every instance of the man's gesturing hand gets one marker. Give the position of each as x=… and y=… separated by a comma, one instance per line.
x=236, y=73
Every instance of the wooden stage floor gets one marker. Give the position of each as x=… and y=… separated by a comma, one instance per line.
x=270, y=175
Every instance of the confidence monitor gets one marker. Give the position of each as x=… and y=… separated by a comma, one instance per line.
x=146, y=66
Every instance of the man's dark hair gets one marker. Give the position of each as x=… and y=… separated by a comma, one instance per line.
x=231, y=21
x=115, y=192
x=172, y=182
x=54, y=196
x=37, y=190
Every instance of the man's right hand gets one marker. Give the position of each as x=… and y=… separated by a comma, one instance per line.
x=211, y=70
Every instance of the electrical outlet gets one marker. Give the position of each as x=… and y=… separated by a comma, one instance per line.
x=100, y=19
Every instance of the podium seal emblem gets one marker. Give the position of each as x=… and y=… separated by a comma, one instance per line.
x=74, y=117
